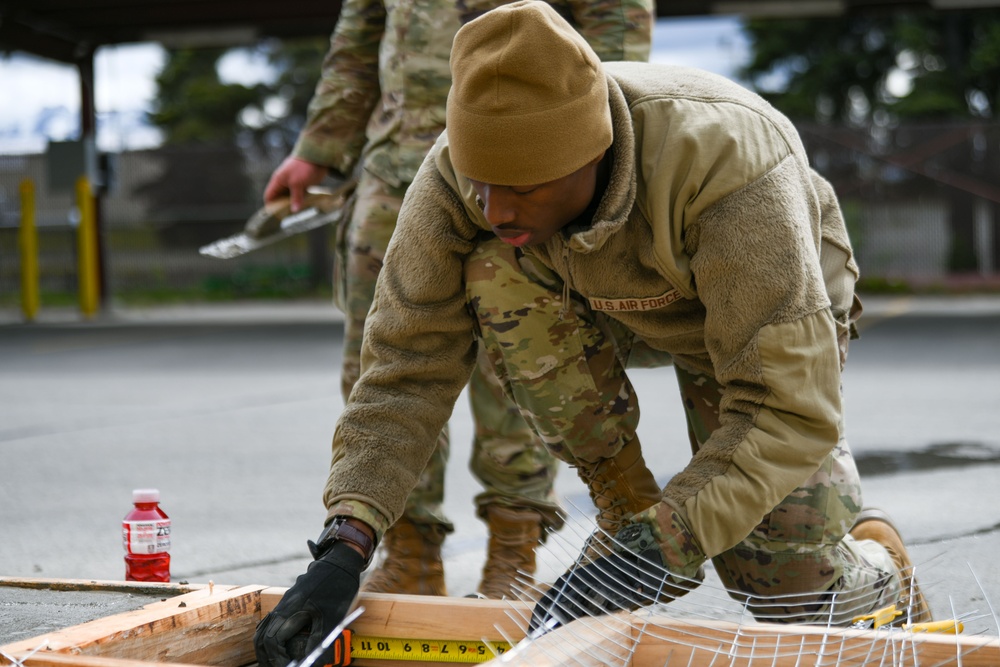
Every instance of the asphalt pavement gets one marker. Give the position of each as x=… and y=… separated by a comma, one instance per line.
x=228, y=410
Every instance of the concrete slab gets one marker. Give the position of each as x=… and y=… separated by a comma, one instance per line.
x=33, y=612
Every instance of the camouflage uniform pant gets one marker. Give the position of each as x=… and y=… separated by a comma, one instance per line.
x=514, y=468
x=565, y=365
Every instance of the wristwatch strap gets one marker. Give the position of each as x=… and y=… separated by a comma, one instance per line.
x=339, y=529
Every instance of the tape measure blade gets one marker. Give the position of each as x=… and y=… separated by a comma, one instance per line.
x=387, y=651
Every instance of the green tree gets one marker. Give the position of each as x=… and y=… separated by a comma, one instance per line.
x=815, y=68
x=297, y=63
x=945, y=65
x=201, y=190
x=882, y=73
x=192, y=104
x=221, y=139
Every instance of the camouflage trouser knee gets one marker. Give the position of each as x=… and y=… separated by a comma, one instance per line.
x=560, y=367
x=799, y=564
x=512, y=466
x=565, y=366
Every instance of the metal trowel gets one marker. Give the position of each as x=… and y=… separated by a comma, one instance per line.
x=275, y=221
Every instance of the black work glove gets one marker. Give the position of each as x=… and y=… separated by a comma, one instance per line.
x=311, y=608
x=625, y=579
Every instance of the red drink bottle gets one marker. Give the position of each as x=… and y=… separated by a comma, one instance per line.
x=146, y=538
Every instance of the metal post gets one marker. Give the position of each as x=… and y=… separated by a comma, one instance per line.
x=86, y=244
x=28, y=244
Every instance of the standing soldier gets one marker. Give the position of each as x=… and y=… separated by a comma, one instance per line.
x=377, y=110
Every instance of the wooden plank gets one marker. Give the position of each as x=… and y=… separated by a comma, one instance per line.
x=429, y=617
x=425, y=617
x=45, y=659
x=671, y=641
x=656, y=640
x=269, y=598
x=216, y=629
x=421, y=616
x=211, y=626
x=167, y=589
x=588, y=642
x=214, y=626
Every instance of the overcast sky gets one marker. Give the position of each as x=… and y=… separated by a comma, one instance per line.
x=41, y=98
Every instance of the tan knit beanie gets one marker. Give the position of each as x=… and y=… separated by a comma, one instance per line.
x=529, y=99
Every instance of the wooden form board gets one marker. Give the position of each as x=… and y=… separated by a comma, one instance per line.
x=212, y=625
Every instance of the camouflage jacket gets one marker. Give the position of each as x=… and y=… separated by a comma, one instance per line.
x=386, y=77
x=714, y=241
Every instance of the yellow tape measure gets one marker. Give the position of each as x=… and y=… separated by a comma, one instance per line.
x=424, y=650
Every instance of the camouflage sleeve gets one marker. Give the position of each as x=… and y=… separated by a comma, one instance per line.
x=417, y=355
x=361, y=510
x=348, y=89
x=616, y=29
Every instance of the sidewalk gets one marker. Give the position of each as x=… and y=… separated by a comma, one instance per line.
x=884, y=305
x=875, y=305
x=189, y=313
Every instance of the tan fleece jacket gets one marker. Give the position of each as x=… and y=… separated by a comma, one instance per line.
x=706, y=244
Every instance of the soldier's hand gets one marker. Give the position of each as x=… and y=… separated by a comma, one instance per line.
x=292, y=178
x=311, y=608
x=621, y=580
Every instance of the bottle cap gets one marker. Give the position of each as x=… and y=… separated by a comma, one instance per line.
x=146, y=496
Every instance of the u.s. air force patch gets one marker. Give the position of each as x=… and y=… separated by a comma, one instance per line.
x=636, y=304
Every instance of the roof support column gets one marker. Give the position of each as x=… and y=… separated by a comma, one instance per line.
x=88, y=135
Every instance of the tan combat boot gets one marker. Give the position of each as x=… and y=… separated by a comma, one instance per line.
x=514, y=534
x=411, y=561
x=620, y=487
x=874, y=524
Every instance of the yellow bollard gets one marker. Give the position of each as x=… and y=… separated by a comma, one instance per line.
x=27, y=239
x=86, y=246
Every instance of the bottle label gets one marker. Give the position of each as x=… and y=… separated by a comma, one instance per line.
x=146, y=537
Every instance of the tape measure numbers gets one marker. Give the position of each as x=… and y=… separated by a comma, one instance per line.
x=425, y=650
x=418, y=650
